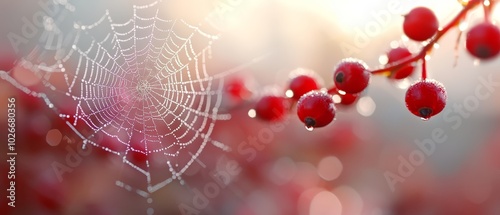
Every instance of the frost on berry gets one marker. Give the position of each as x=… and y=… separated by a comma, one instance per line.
x=301, y=82
x=426, y=98
x=271, y=108
x=351, y=75
x=316, y=109
x=420, y=24
x=395, y=55
x=483, y=41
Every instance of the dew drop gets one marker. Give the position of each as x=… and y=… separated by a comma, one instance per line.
x=309, y=128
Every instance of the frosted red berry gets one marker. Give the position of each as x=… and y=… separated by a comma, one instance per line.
x=395, y=55
x=316, y=109
x=271, y=108
x=426, y=98
x=302, y=84
x=483, y=41
x=351, y=76
x=420, y=24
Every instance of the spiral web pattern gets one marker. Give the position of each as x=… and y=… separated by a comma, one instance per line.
x=142, y=84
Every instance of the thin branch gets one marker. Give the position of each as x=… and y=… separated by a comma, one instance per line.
x=428, y=47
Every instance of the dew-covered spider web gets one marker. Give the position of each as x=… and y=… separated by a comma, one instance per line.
x=138, y=82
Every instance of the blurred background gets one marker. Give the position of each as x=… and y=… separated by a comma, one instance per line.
x=375, y=159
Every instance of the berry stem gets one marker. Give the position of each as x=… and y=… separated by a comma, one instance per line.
x=487, y=7
x=424, y=69
x=333, y=90
x=428, y=47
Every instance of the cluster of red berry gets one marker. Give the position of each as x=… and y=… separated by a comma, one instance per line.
x=425, y=98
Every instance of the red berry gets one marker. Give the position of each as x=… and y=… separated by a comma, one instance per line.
x=395, y=55
x=271, y=108
x=420, y=24
x=302, y=84
x=426, y=98
x=316, y=109
x=483, y=40
x=237, y=88
x=7, y=60
x=351, y=76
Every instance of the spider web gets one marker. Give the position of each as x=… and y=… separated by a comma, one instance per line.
x=140, y=86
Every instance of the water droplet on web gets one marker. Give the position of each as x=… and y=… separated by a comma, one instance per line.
x=309, y=128
x=82, y=54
